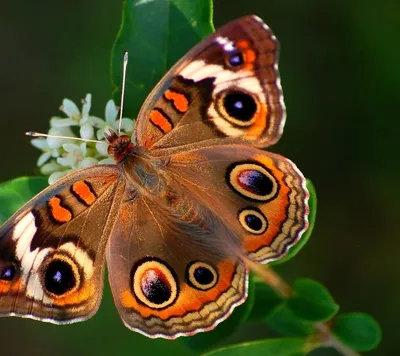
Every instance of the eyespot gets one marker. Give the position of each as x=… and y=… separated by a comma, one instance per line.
x=238, y=107
x=154, y=283
x=7, y=272
x=236, y=59
x=60, y=275
x=253, y=181
x=253, y=221
x=201, y=275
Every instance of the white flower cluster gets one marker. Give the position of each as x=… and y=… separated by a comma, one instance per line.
x=61, y=156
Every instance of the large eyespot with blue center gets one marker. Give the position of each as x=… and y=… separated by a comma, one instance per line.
x=253, y=221
x=201, y=275
x=237, y=106
x=252, y=181
x=154, y=283
x=60, y=275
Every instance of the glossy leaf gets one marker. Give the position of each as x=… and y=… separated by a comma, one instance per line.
x=311, y=301
x=265, y=301
x=282, y=320
x=312, y=203
x=156, y=33
x=267, y=347
x=205, y=341
x=359, y=331
x=16, y=192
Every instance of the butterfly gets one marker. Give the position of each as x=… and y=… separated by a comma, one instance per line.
x=186, y=203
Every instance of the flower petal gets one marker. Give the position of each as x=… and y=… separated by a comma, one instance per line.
x=101, y=148
x=87, y=162
x=57, y=175
x=87, y=131
x=50, y=167
x=44, y=157
x=70, y=109
x=39, y=143
x=57, y=122
x=111, y=111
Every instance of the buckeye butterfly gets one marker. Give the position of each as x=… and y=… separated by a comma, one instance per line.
x=180, y=211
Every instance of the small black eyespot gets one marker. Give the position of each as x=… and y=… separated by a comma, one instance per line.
x=203, y=275
x=7, y=272
x=59, y=277
x=236, y=59
x=240, y=106
x=253, y=222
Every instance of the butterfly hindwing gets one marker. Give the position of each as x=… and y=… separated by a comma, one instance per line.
x=260, y=195
x=166, y=278
x=52, y=249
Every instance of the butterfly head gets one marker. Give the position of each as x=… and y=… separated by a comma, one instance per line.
x=120, y=146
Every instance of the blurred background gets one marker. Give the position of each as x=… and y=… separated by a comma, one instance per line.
x=340, y=68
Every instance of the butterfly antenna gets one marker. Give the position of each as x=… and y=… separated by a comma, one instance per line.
x=38, y=134
x=124, y=66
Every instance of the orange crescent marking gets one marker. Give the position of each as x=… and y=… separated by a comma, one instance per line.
x=83, y=191
x=189, y=300
x=180, y=102
x=79, y=296
x=58, y=212
x=161, y=121
x=7, y=286
x=260, y=123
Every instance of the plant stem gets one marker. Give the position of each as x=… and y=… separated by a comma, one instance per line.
x=270, y=277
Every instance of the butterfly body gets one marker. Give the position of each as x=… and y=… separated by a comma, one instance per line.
x=181, y=209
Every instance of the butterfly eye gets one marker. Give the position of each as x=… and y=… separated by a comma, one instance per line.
x=154, y=284
x=253, y=221
x=201, y=275
x=238, y=107
x=253, y=181
x=60, y=275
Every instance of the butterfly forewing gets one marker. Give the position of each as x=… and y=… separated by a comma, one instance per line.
x=52, y=249
x=227, y=86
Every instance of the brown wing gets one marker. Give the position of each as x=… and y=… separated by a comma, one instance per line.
x=227, y=86
x=260, y=196
x=52, y=249
x=168, y=275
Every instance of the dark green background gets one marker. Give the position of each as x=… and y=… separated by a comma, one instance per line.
x=340, y=67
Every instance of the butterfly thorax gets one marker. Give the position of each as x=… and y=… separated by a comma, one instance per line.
x=139, y=167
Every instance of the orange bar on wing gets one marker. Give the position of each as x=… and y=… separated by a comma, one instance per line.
x=83, y=192
x=180, y=102
x=58, y=212
x=160, y=120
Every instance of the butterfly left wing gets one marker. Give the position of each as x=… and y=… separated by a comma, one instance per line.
x=227, y=86
x=169, y=273
x=52, y=249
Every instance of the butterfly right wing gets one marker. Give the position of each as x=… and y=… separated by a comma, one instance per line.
x=52, y=249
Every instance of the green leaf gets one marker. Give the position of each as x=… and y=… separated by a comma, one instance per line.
x=240, y=314
x=267, y=347
x=311, y=301
x=16, y=192
x=265, y=301
x=359, y=331
x=282, y=320
x=156, y=33
x=294, y=250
